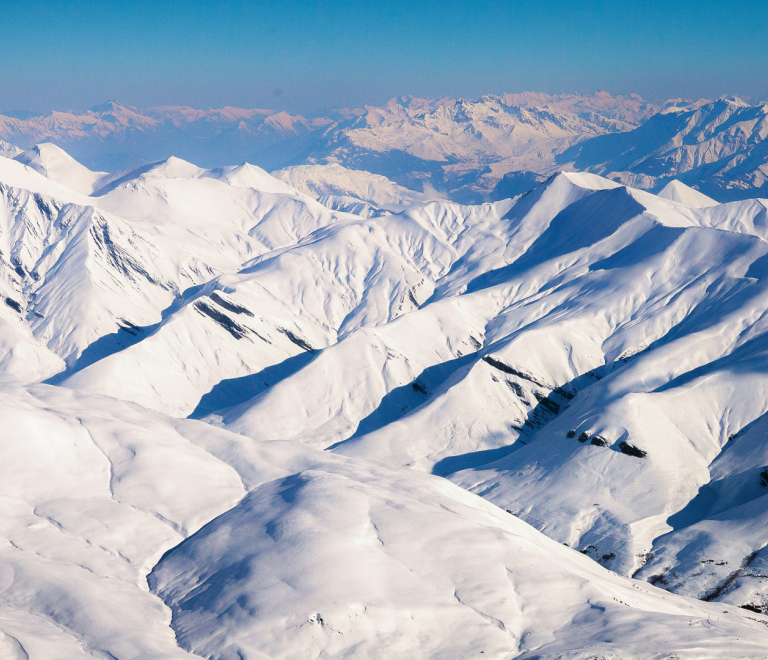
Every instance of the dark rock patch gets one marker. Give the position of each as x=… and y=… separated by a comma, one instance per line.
x=564, y=393
x=658, y=580
x=571, y=434
x=631, y=450
x=498, y=364
x=237, y=331
x=584, y=437
x=301, y=343
x=13, y=304
x=598, y=441
x=547, y=403
x=515, y=387
x=419, y=387
x=229, y=306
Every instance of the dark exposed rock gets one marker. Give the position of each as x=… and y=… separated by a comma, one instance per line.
x=301, y=343
x=120, y=259
x=498, y=364
x=419, y=387
x=412, y=298
x=584, y=437
x=564, y=393
x=13, y=304
x=658, y=580
x=515, y=387
x=631, y=450
x=718, y=590
x=237, y=331
x=547, y=403
x=598, y=441
x=129, y=327
x=571, y=434
x=229, y=306
x=764, y=478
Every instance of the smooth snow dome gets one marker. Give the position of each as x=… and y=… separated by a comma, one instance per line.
x=318, y=416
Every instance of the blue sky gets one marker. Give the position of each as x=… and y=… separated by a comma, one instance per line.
x=307, y=55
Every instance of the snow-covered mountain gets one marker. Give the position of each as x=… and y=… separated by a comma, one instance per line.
x=529, y=428
x=720, y=147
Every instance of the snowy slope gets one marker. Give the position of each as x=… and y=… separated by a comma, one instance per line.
x=8, y=150
x=416, y=567
x=338, y=187
x=289, y=303
x=685, y=195
x=99, y=491
x=608, y=312
x=87, y=275
x=585, y=362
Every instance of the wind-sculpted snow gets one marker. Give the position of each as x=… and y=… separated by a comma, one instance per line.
x=587, y=359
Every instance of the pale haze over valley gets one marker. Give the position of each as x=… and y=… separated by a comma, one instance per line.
x=384, y=330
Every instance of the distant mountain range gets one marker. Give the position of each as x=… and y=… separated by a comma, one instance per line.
x=466, y=151
x=459, y=147
x=113, y=136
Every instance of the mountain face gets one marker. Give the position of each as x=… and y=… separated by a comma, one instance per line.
x=241, y=423
x=719, y=147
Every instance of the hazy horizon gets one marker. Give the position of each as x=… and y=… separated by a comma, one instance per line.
x=303, y=56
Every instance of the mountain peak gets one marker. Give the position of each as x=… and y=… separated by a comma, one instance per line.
x=677, y=191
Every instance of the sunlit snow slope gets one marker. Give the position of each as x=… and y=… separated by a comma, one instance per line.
x=417, y=428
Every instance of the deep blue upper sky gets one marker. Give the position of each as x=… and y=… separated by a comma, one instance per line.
x=65, y=54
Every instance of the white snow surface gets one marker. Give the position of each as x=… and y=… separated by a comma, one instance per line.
x=56, y=164
x=719, y=146
x=685, y=195
x=443, y=431
x=333, y=184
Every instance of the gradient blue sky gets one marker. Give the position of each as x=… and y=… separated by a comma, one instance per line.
x=65, y=54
